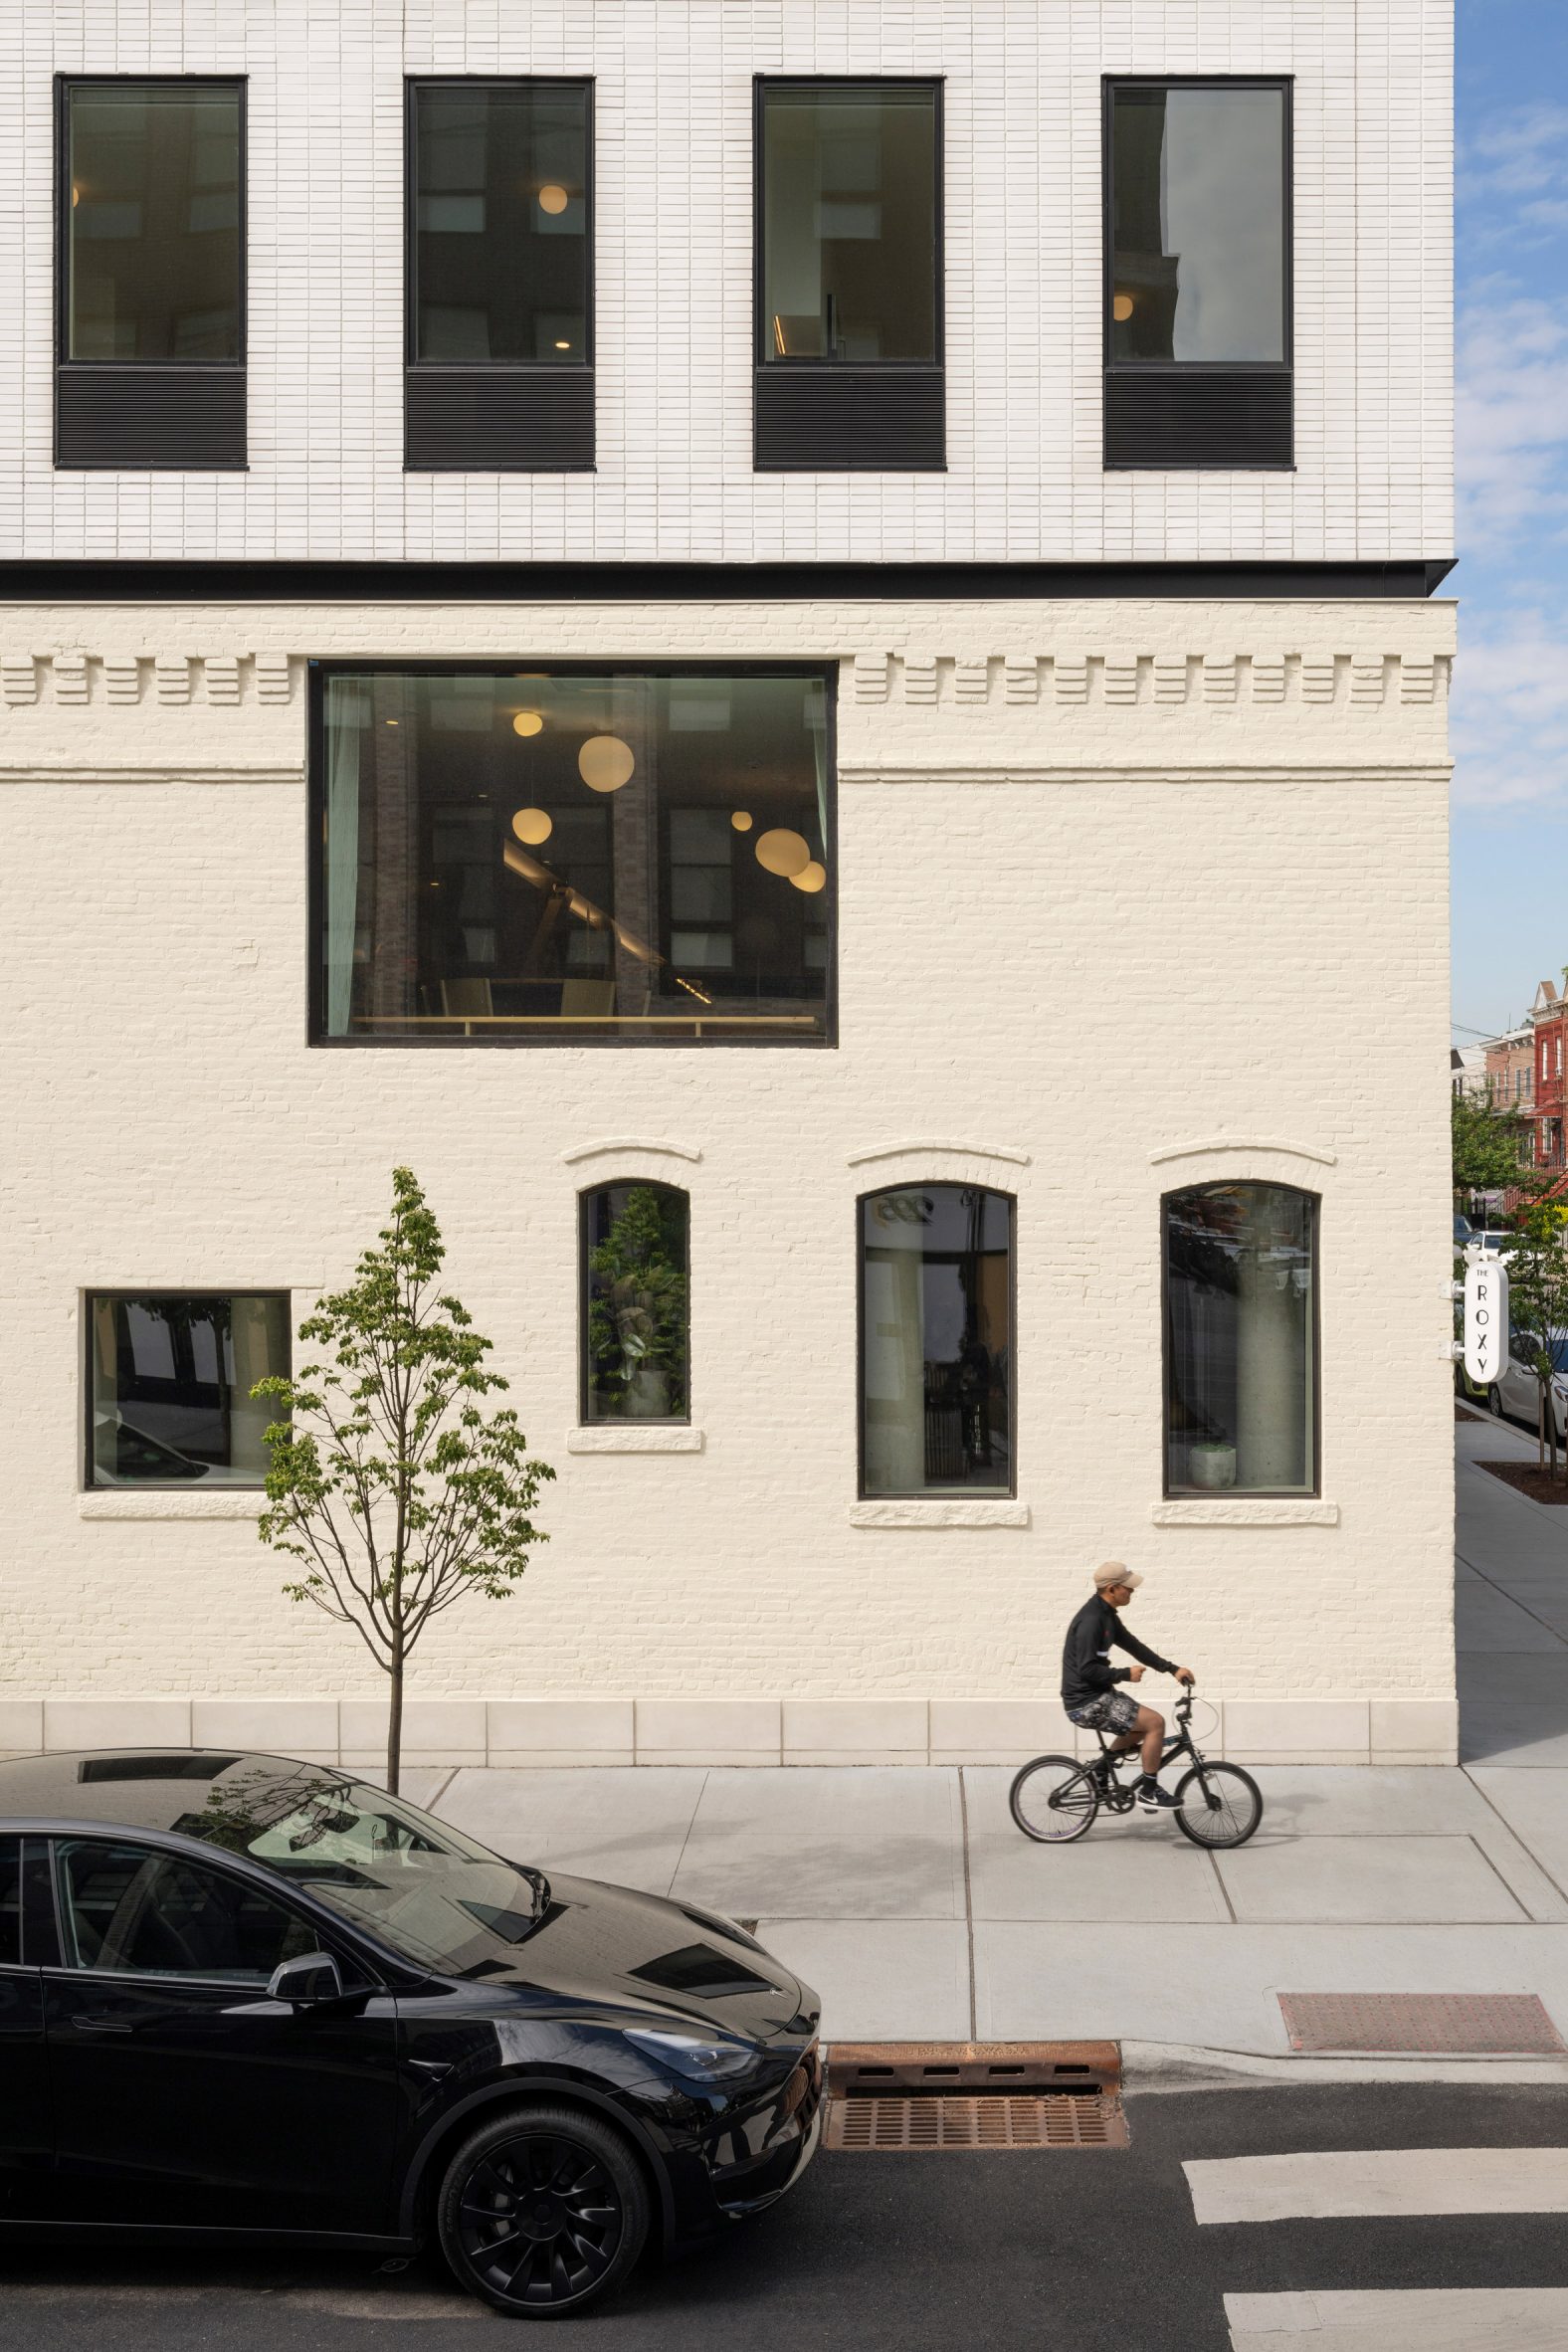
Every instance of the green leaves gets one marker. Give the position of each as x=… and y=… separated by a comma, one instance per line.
x=388, y=1481
x=1488, y=1147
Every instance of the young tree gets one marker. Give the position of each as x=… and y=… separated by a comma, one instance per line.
x=1538, y=1306
x=1488, y=1148
x=387, y=1480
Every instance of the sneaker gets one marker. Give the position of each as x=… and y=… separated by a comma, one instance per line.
x=1153, y=1799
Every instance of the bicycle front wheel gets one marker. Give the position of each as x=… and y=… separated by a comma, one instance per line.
x=1053, y=1800
x=1224, y=1814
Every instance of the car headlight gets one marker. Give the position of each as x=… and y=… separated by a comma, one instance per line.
x=699, y=2058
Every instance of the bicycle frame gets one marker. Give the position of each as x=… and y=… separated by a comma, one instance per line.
x=1120, y=1796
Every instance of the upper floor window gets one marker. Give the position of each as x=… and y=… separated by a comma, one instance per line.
x=586, y=858
x=1241, y=1340
x=500, y=275
x=1197, y=274
x=169, y=1382
x=636, y=1304
x=152, y=260
x=936, y=1341
x=848, y=222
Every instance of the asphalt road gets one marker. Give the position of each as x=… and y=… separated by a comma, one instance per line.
x=1091, y=2251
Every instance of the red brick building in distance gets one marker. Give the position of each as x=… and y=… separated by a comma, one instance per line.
x=1548, y=1018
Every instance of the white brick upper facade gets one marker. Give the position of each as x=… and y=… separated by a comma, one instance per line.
x=673, y=193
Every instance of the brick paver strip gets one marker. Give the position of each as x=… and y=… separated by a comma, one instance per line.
x=1467, y=2025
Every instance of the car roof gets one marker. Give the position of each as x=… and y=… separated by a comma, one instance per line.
x=156, y=1789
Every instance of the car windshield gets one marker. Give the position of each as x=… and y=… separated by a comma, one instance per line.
x=427, y=1891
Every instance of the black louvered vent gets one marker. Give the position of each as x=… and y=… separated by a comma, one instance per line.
x=851, y=420
x=1227, y=419
x=500, y=420
x=165, y=420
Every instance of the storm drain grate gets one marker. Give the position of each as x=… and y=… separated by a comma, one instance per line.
x=1460, y=2025
x=907, y=2096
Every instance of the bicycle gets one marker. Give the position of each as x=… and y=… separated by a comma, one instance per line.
x=1055, y=1799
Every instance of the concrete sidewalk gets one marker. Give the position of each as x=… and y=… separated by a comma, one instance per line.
x=908, y=1898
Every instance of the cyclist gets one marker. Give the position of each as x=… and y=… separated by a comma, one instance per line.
x=1088, y=1680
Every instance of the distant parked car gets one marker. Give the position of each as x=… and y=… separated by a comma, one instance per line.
x=1498, y=1238
x=1463, y=1230
x=245, y=1996
x=125, y=1456
x=1517, y=1395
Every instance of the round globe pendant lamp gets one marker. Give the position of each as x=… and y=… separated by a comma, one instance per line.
x=605, y=763
x=533, y=825
x=783, y=851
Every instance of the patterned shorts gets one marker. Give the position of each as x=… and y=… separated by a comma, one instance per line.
x=1112, y=1712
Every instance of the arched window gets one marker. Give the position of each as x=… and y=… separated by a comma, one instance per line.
x=636, y=1304
x=1241, y=1340
x=936, y=1341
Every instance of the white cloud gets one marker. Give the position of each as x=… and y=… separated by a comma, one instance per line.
x=1511, y=419
x=1515, y=154
x=1510, y=714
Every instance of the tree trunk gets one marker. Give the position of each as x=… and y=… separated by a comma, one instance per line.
x=394, y=1720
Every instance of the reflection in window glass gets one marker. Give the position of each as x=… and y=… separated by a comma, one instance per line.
x=500, y=222
x=154, y=230
x=171, y=1381
x=937, y=1340
x=1198, y=225
x=10, y=1901
x=1240, y=1339
x=522, y=854
x=133, y=1910
x=636, y=1323
x=848, y=222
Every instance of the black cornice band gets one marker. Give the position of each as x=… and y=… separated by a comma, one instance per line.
x=135, y=582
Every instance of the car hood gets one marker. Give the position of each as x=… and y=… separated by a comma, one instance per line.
x=609, y=1944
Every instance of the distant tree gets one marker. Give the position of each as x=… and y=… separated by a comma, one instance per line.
x=1539, y=1307
x=387, y=1479
x=1490, y=1149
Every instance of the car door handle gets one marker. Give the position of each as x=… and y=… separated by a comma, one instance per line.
x=101, y=2025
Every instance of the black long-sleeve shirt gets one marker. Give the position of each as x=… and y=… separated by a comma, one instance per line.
x=1086, y=1670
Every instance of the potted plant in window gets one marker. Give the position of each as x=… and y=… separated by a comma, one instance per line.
x=637, y=1315
x=1211, y=1464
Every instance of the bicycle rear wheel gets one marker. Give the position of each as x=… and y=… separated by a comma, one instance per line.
x=1053, y=1800
x=1227, y=1813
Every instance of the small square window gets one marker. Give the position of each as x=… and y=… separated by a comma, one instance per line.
x=169, y=1382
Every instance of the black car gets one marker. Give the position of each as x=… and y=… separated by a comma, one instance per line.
x=243, y=1995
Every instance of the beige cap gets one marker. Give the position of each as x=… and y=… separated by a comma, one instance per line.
x=1112, y=1572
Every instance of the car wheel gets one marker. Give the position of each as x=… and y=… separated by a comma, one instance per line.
x=1494, y=1400
x=542, y=2212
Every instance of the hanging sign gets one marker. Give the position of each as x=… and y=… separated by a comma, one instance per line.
x=1485, y=1317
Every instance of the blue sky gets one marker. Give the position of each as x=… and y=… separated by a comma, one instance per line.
x=1511, y=699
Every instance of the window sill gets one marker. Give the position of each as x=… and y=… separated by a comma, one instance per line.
x=120, y=1502
x=939, y=1512
x=1246, y=1512
x=632, y=1437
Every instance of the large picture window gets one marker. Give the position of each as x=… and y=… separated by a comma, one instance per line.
x=936, y=1341
x=152, y=261
x=169, y=1380
x=524, y=855
x=501, y=246
x=849, y=279
x=1241, y=1340
x=637, y=1314
x=1196, y=276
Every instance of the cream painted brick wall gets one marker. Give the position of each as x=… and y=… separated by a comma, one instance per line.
x=1373, y=174
x=1085, y=931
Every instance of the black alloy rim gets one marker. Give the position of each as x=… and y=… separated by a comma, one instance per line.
x=539, y=2220
x=1215, y=1817
x=1055, y=1804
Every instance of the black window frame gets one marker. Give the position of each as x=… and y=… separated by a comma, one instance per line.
x=902, y=402
x=585, y=1418
x=506, y=416
x=88, y=1299
x=317, y=1036
x=1312, y=1494
x=935, y=1494
x=1223, y=377
x=223, y=379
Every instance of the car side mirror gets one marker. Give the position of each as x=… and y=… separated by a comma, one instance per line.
x=313, y=1978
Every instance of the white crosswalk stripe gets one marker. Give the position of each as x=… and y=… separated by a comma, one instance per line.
x=1369, y=2182
x=1418, y=2319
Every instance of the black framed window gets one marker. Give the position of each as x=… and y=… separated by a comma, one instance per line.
x=150, y=346
x=936, y=1341
x=610, y=857
x=1198, y=274
x=635, y=1242
x=169, y=1380
x=499, y=374
x=1240, y=1339
x=849, y=310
